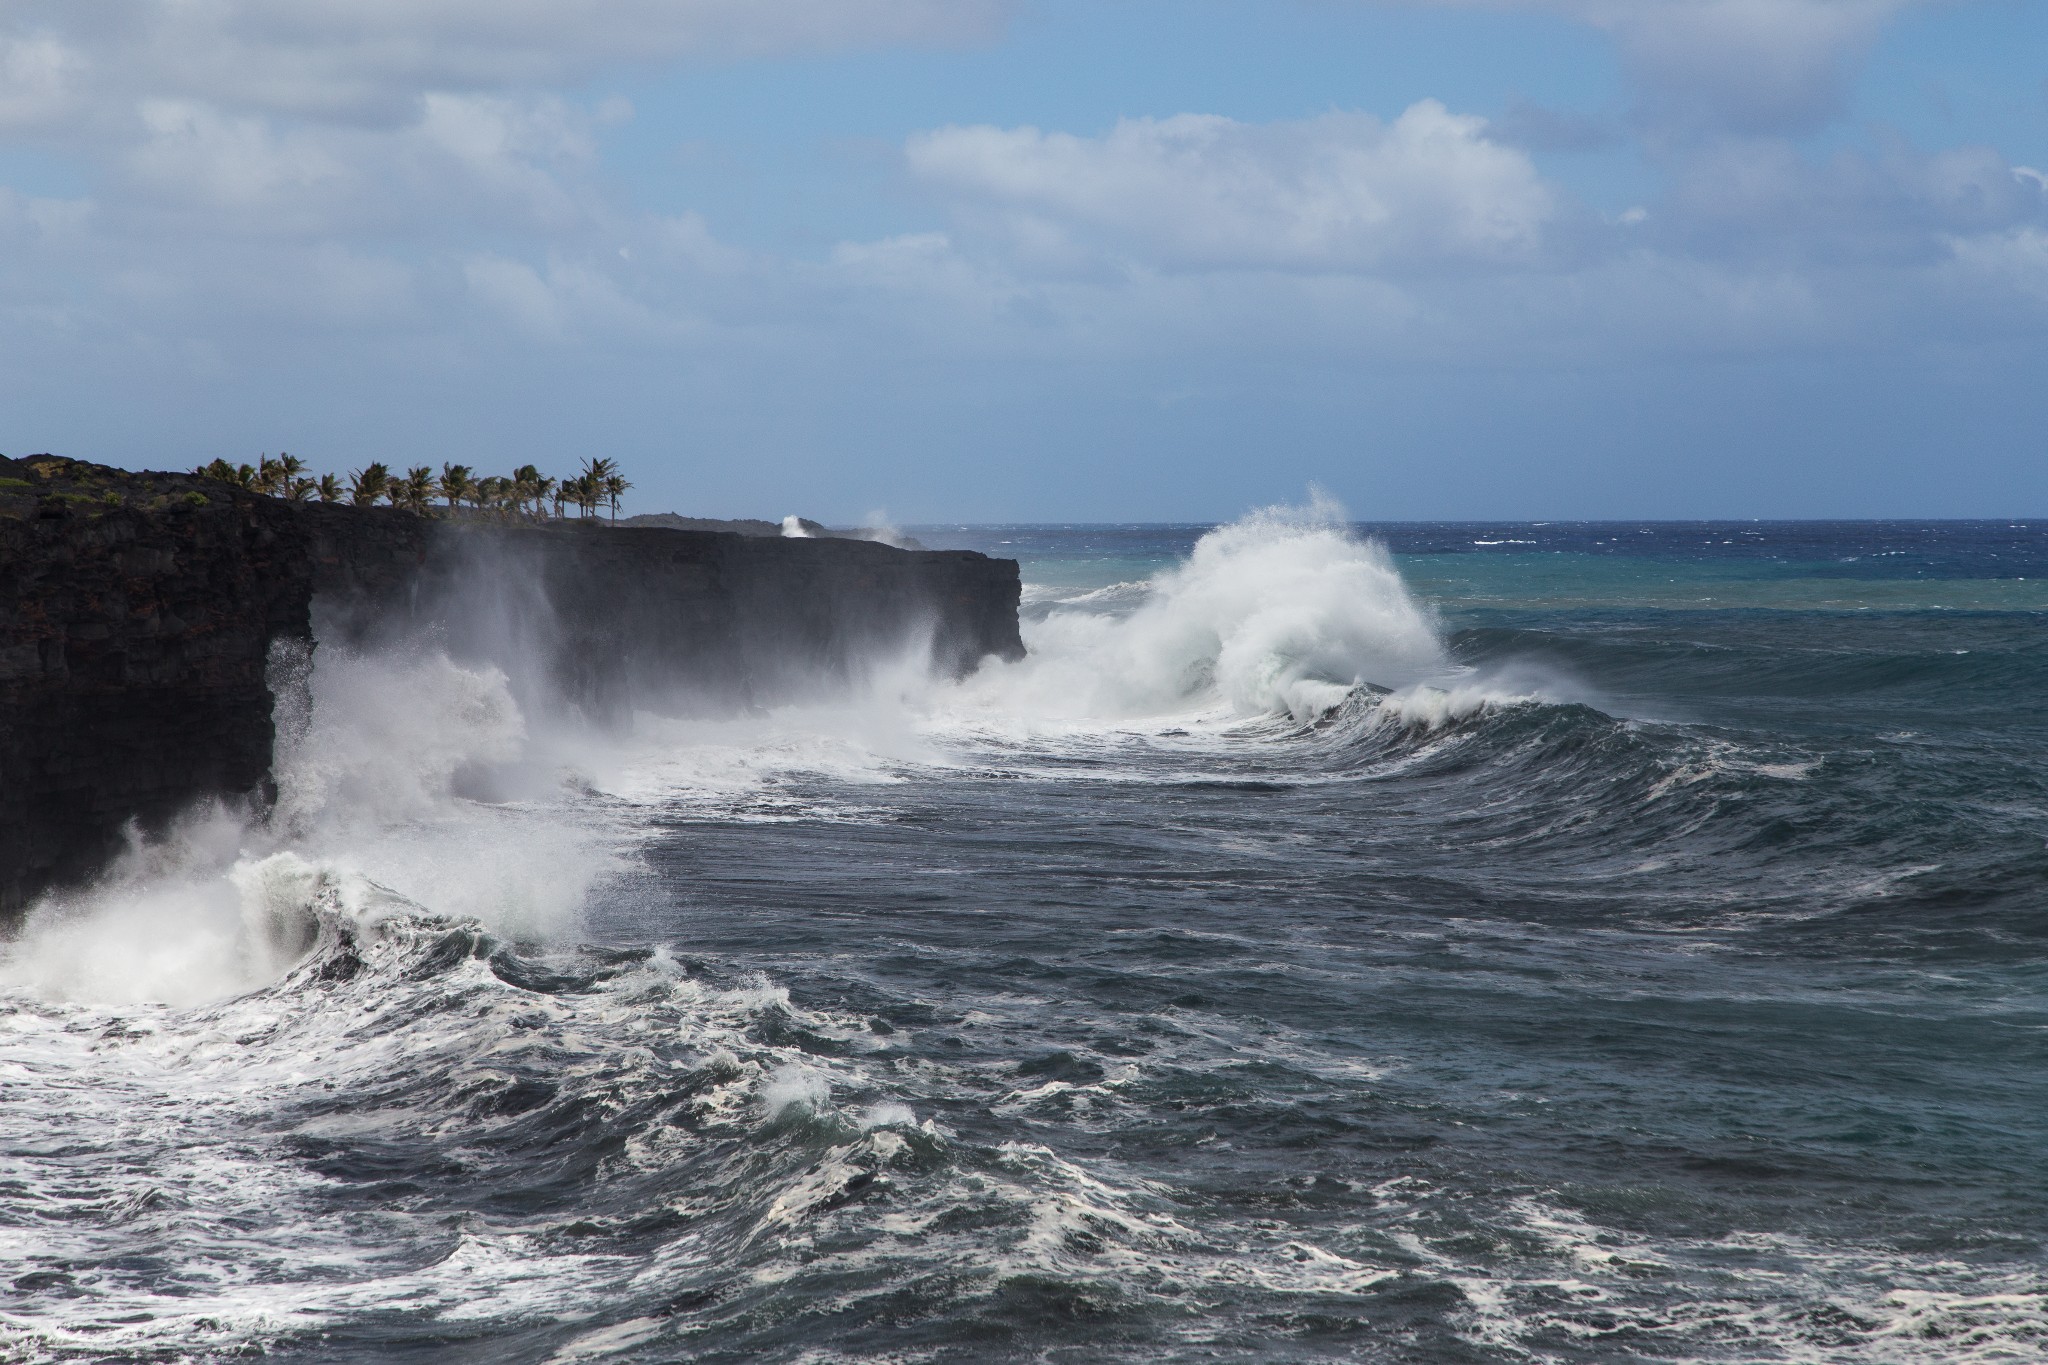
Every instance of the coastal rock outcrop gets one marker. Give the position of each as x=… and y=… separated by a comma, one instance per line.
x=138, y=611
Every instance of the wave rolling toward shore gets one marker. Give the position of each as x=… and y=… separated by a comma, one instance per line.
x=1271, y=965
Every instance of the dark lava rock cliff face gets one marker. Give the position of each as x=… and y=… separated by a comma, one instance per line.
x=647, y=616
x=137, y=613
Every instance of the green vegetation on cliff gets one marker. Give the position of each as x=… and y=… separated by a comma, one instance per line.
x=526, y=492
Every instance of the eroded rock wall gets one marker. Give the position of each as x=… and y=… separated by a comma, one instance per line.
x=137, y=613
x=135, y=616
x=647, y=616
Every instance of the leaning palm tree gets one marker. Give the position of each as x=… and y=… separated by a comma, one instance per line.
x=595, y=476
x=526, y=482
x=615, y=487
x=547, y=489
x=492, y=494
x=586, y=492
x=369, y=484
x=327, y=488
x=457, y=484
x=268, y=476
x=595, y=471
x=416, y=490
x=290, y=468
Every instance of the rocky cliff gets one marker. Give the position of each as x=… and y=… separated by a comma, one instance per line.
x=137, y=612
x=652, y=616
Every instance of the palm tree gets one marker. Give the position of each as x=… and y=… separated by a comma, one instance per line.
x=227, y=473
x=268, y=475
x=492, y=493
x=368, y=484
x=587, y=490
x=328, y=489
x=416, y=490
x=590, y=486
x=615, y=487
x=547, y=489
x=526, y=483
x=457, y=483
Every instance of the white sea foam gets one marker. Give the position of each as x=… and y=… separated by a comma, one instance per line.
x=199, y=1113
x=795, y=1087
x=410, y=783
x=1284, y=612
x=465, y=791
x=1274, y=621
x=379, y=763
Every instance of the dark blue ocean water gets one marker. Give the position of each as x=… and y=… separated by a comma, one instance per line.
x=1536, y=942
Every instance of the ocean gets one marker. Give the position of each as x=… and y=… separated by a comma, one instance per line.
x=1461, y=943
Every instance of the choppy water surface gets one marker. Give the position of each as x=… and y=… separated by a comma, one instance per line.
x=1544, y=942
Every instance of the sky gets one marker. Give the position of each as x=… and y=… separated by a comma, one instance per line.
x=1047, y=260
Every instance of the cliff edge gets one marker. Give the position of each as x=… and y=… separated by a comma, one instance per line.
x=138, y=611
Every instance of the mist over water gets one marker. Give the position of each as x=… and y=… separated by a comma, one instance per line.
x=1560, y=943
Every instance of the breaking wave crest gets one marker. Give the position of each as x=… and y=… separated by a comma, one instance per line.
x=1258, y=968
x=421, y=1127
x=1284, y=612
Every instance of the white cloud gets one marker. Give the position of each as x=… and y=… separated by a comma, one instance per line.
x=516, y=290
x=1742, y=66
x=2013, y=263
x=511, y=152
x=1747, y=66
x=465, y=160
x=36, y=73
x=571, y=299
x=1336, y=193
x=428, y=122
x=1765, y=197
x=233, y=164
x=371, y=58
x=44, y=221
x=406, y=185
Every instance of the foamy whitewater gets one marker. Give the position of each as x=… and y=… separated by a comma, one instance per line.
x=1454, y=943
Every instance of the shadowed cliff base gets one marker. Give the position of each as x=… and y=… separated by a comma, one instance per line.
x=138, y=613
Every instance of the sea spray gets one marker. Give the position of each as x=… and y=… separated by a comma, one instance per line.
x=380, y=757
x=1441, y=1029
x=1282, y=612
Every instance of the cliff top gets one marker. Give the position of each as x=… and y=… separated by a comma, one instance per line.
x=41, y=484
x=53, y=484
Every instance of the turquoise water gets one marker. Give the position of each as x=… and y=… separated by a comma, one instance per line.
x=1856, y=566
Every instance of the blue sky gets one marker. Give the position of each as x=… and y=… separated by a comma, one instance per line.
x=1044, y=259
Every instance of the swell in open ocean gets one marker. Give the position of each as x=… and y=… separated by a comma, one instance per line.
x=1470, y=944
